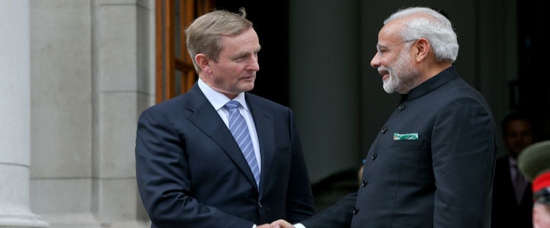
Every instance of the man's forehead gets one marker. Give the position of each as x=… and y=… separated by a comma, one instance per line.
x=388, y=39
x=389, y=33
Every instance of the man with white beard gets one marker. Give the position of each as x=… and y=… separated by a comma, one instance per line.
x=432, y=163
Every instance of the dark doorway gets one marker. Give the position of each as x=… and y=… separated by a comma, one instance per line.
x=271, y=23
x=531, y=92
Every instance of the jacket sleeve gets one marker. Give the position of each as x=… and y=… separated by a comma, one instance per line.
x=338, y=215
x=463, y=156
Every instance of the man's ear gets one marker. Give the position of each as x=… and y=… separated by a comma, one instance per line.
x=422, y=48
x=204, y=62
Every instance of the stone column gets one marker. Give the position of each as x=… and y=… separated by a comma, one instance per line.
x=15, y=116
x=123, y=42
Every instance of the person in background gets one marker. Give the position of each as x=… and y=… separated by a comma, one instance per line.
x=191, y=171
x=512, y=199
x=534, y=163
x=432, y=163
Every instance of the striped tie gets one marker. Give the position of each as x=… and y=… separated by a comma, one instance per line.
x=239, y=129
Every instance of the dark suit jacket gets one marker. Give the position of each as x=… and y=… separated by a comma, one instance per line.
x=191, y=172
x=506, y=212
x=441, y=179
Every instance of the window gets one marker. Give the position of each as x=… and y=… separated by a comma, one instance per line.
x=174, y=71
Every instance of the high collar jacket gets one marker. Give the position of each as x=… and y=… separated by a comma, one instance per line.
x=431, y=165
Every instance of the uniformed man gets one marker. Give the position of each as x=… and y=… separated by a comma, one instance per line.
x=534, y=163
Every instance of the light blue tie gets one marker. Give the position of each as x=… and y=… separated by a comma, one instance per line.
x=239, y=129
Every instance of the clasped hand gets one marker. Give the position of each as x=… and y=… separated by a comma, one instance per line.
x=277, y=224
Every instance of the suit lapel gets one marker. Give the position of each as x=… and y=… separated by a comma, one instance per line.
x=263, y=120
x=206, y=118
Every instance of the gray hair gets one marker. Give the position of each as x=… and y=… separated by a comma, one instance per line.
x=205, y=33
x=424, y=22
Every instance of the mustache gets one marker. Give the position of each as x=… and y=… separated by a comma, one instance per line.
x=383, y=70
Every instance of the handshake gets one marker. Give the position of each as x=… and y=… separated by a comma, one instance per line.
x=277, y=224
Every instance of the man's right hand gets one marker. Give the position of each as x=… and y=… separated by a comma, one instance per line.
x=281, y=224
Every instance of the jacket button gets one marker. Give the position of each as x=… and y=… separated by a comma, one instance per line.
x=374, y=156
x=401, y=107
x=363, y=183
x=355, y=210
x=384, y=129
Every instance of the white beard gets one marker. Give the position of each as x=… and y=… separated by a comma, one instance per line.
x=401, y=75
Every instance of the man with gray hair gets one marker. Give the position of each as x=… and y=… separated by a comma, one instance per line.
x=218, y=155
x=432, y=163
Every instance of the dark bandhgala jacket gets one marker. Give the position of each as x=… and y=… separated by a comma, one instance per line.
x=431, y=165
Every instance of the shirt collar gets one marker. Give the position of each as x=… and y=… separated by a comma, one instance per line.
x=217, y=99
